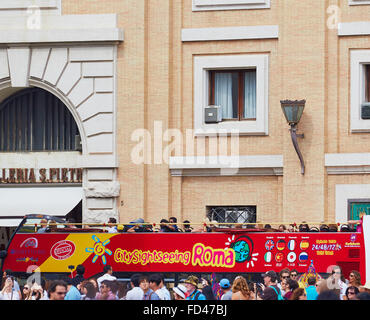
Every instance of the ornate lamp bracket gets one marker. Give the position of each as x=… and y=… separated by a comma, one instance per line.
x=294, y=135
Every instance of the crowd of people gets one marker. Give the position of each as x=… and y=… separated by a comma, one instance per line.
x=274, y=286
x=171, y=225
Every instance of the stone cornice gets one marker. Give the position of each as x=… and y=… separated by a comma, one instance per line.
x=61, y=29
x=264, y=165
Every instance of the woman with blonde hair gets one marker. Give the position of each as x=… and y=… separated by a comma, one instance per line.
x=240, y=289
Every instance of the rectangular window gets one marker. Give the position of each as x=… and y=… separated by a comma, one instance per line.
x=235, y=92
x=231, y=214
x=238, y=84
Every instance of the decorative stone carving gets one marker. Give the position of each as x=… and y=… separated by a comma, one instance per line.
x=102, y=189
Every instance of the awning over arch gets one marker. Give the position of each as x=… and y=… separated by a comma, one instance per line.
x=15, y=202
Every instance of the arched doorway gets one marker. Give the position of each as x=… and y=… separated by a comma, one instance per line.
x=40, y=147
x=35, y=120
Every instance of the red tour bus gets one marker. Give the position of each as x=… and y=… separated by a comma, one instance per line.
x=224, y=251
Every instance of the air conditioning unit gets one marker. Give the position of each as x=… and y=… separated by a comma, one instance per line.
x=212, y=114
x=78, y=144
x=365, y=110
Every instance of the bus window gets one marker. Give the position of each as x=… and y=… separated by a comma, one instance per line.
x=40, y=225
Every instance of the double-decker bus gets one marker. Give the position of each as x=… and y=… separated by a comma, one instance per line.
x=57, y=250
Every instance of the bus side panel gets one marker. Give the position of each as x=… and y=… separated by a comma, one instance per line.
x=182, y=252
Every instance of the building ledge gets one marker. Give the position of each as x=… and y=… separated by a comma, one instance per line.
x=347, y=163
x=264, y=165
x=60, y=29
x=230, y=33
x=354, y=28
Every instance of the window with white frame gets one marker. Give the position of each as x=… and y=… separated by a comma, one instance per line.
x=358, y=2
x=204, y=5
x=238, y=85
x=235, y=92
x=360, y=91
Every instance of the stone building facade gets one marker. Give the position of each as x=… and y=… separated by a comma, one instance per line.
x=136, y=76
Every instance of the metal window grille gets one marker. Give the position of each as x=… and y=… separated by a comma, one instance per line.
x=36, y=120
x=246, y=214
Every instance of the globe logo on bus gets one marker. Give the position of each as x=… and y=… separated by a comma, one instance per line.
x=242, y=250
x=243, y=247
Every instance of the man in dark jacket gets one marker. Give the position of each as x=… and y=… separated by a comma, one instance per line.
x=271, y=291
x=80, y=270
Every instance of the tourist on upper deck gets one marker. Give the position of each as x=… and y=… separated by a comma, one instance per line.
x=134, y=227
x=164, y=226
x=187, y=227
x=304, y=227
x=112, y=228
x=44, y=226
x=173, y=227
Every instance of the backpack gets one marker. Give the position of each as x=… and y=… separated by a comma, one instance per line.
x=280, y=297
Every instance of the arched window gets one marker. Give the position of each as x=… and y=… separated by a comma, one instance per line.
x=35, y=120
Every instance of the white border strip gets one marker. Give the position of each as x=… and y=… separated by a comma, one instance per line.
x=347, y=163
x=219, y=162
x=354, y=28
x=230, y=33
x=358, y=2
x=206, y=5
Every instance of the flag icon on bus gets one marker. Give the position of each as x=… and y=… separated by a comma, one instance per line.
x=268, y=257
x=303, y=257
x=291, y=245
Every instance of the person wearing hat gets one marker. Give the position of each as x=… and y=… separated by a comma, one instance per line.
x=226, y=289
x=135, y=227
x=271, y=290
x=191, y=284
x=179, y=292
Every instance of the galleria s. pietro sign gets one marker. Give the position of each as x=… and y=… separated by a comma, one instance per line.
x=42, y=175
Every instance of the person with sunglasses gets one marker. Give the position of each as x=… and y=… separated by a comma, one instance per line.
x=284, y=275
x=57, y=290
x=293, y=274
x=351, y=293
x=26, y=292
x=336, y=282
x=354, y=279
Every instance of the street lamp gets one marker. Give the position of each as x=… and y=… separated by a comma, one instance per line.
x=293, y=111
